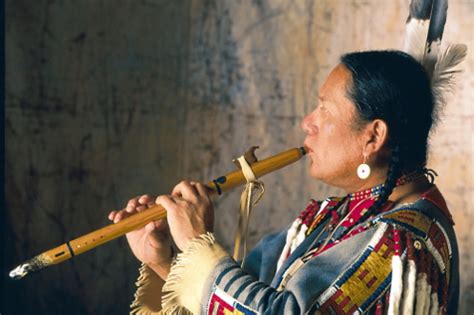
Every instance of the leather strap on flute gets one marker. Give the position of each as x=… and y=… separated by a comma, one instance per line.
x=248, y=199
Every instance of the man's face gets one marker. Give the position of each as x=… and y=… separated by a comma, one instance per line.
x=334, y=143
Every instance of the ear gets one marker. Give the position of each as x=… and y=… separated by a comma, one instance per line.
x=376, y=136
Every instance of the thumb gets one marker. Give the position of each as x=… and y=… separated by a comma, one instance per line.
x=155, y=239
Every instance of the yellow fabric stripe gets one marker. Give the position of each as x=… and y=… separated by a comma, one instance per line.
x=356, y=289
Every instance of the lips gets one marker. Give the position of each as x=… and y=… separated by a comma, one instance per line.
x=307, y=148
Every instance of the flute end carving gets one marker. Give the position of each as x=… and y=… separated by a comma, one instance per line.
x=36, y=263
x=19, y=272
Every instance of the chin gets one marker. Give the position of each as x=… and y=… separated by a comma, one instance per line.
x=319, y=173
x=314, y=172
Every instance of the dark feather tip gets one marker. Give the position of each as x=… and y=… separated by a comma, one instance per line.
x=420, y=9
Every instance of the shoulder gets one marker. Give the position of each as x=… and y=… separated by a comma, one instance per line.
x=428, y=223
x=420, y=216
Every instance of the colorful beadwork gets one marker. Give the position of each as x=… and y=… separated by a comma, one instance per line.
x=354, y=290
x=368, y=193
x=377, y=190
x=223, y=304
x=368, y=280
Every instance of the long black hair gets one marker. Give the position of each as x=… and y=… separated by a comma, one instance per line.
x=394, y=87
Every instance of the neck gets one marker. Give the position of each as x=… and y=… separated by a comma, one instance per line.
x=377, y=177
x=410, y=191
x=405, y=193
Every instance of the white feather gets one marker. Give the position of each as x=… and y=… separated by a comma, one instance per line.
x=416, y=33
x=444, y=74
x=290, y=236
x=426, y=311
x=409, y=291
x=434, y=304
x=396, y=286
x=421, y=294
x=301, y=236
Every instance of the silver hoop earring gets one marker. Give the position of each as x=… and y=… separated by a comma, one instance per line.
x=363, y=170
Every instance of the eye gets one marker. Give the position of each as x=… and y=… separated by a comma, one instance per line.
x=321, y=108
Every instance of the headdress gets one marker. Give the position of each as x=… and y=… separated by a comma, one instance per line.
x=424, y=31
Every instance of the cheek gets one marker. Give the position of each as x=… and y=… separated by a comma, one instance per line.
x=329, y=129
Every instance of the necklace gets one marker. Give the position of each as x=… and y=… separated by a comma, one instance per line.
x=377, y=190
x=364, y=194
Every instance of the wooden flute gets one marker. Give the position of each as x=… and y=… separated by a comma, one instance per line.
x=91, y=240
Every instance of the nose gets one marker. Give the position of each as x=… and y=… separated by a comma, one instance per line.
x=305, y=123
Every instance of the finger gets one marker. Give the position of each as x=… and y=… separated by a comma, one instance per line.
x=132, y=203
x=187, y=190
x=132, y=206
x=145, y=199
x=151, y=204
x=120, y=215
x=152, y=238
x=202, y=190
x=112, y=215
x=161, y=225
x=184, y=185
x=156, y=240
x=150, y=227
x=176, y=191
x=155, y=226
x=141, y=208
x=131, y=209
x=166, y=202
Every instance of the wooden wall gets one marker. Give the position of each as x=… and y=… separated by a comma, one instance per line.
x=107, y=99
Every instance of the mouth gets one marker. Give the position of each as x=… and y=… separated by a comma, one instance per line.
x=307, y=149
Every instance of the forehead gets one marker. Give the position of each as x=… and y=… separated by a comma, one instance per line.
x=336, y=83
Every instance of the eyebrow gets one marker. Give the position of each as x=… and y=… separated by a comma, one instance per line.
x=324, y=99
x=325, y=102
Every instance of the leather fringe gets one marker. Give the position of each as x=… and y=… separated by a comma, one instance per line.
x=173, y=286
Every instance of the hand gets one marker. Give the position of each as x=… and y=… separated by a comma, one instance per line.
x=189, y=212
x=152, y=243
